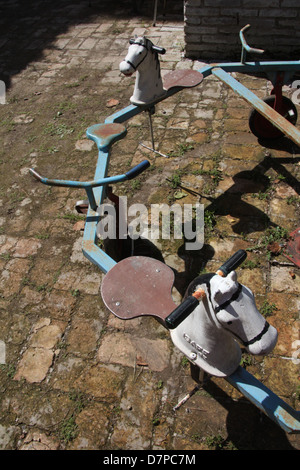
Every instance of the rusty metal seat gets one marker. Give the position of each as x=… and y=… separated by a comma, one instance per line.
x=139, y=286
x=105, y=135
x=182, y=79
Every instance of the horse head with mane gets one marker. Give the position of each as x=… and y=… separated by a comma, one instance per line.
x=226, y=318
x=142, y=58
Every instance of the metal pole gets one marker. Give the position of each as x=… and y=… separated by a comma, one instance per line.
x=155, y=13
x=150, y=112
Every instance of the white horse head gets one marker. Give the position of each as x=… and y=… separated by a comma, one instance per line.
x=142, y=58
x=227, y=318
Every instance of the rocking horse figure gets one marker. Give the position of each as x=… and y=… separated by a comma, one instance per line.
x=142, y=58
x=226, y=313
x=215, y=318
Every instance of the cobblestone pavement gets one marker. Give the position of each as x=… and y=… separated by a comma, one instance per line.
x=73, y=376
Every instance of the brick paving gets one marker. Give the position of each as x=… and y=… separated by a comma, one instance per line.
x=75, y=376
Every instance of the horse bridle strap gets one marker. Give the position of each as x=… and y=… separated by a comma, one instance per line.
x=225, y=304
x=259, y=336
x=205, y=279
x=129, y=62
x=234, y=297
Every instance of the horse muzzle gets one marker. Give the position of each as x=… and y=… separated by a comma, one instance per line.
x=126, y=68
x=265, y=343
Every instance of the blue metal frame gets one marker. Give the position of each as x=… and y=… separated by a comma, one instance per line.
x=221, y=71
x=263, y=398
x=284, y=415
x=267, y=401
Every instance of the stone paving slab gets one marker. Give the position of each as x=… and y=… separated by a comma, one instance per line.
x=74, y=376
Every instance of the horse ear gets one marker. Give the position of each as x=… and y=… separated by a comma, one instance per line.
x=216, y=287
x=222, y=288
x=132, y=40
x=232, y=276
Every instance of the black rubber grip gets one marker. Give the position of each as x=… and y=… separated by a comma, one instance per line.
x=137, y=170
x=233, y=262
x=181, y=312
x=160, y=50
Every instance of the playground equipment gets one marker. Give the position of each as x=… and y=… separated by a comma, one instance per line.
x=276, y=115
x=216, y=308
x=227, y=311
x=205, y=324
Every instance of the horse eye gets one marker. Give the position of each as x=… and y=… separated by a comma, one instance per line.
x=229, y=322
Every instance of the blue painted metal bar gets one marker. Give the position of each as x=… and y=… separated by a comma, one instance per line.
x=90, y=246
x=80, y=184
x=264, y=399
x=132, y=110
x=286, y=417
x=269, y=113
x=89, y=185
x=252, y=67
x=125, y=114
x=245, y=47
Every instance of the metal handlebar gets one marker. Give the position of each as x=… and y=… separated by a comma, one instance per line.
x=132, y=173
x=191, y=302
x=232, y=263
x=245, y=46
x=89, y=185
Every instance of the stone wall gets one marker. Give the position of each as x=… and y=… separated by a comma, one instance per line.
x=212, y=28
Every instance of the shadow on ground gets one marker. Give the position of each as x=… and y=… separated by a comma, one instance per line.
x=29, y=28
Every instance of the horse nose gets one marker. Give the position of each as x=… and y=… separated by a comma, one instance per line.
x=126, y=68
x=266, y=343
